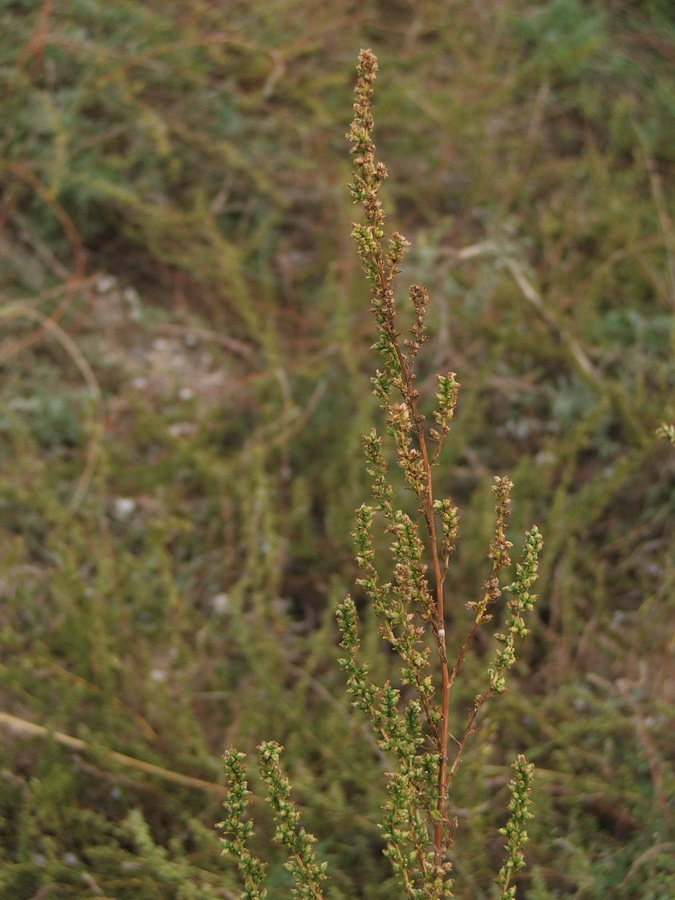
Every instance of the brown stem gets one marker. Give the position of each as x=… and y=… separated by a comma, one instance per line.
x=438, y=620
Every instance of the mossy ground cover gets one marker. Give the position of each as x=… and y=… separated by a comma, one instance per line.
x=185, y=363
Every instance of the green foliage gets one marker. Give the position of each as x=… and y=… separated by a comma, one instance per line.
x=520, y=789
x=183, y=353
x=251, y=868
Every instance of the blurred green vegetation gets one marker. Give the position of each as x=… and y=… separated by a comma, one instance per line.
x=184, y=339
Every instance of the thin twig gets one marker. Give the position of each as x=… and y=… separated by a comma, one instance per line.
x=24, y=727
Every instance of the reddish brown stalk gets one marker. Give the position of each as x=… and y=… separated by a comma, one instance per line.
x=438, y=623
x=439, y=630
x=385, y=303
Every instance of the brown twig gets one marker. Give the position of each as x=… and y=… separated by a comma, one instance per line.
x=24, y=727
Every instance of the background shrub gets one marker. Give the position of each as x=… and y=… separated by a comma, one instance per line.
x=185, y=343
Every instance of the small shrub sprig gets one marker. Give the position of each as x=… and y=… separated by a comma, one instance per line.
x=308, y=875
x=514, y=830
x=411, y=721
x=236, y=831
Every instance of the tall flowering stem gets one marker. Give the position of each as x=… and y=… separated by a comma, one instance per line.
x=405, y=422
x=410, y=608
x=411, y=720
